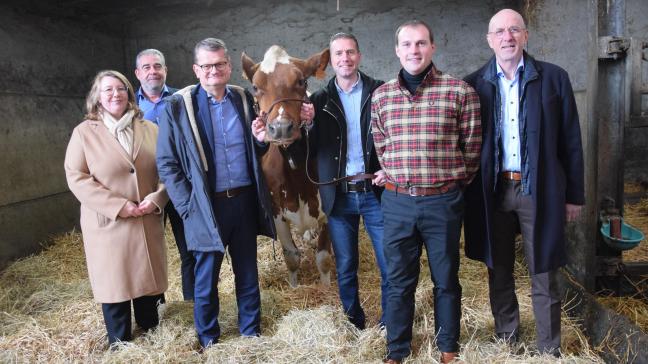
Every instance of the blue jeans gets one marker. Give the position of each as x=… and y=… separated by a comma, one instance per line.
x=343, y=223
x=411, y=222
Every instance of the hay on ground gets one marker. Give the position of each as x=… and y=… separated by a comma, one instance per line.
x=47, y=315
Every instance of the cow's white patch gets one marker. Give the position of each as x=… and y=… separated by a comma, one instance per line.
x=273, y=55
x=303, y=224
x=281, y=111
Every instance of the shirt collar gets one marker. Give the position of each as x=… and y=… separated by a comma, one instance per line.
x=141, y=96
x=356, y=85
x=500, y=72
x=228, y=95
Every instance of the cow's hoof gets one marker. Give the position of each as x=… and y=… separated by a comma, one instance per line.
x=292, y=279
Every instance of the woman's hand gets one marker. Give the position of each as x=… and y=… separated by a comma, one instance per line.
x=130, y=210
x=147, y=207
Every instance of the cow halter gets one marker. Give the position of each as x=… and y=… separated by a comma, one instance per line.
x=264, y=117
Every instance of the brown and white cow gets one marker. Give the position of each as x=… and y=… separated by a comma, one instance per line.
x=279, y=85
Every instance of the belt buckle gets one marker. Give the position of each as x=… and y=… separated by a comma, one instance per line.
x=356, y=186
x=227, y=193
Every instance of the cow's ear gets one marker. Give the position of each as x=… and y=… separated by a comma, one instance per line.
x=316, y=64
x=249, y=67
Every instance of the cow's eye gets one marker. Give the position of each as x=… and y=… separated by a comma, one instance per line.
x=302, y=82
x=255, y=90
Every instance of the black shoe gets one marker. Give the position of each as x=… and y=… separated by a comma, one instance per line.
x=509, y=338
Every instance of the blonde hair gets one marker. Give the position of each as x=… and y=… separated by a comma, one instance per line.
x=93, y=106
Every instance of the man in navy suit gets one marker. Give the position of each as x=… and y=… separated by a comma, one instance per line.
x=531, y=178
x=209, y=163
x=151, y=71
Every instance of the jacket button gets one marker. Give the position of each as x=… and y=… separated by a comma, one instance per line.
x=335, y=158
x=132, y=170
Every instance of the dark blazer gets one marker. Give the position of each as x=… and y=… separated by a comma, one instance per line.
x=554, y=169
x=328, y=137
x=185, y=165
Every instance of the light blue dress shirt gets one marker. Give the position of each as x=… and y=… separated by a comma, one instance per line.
x=351, y=103
x=230, y=159
x=510, y=104
x=151, y=109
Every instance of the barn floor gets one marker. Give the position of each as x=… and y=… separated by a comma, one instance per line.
x=47, y=315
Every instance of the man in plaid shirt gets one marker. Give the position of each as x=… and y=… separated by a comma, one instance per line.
x=427, y=131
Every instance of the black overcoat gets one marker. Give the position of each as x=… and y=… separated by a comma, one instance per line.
x=554, y=164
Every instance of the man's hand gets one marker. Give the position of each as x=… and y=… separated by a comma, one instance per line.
x=380, y=179
x=572, y=211
x=307, y=113
x=258, y=128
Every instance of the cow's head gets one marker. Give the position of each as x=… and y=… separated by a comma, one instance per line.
x=279, y=85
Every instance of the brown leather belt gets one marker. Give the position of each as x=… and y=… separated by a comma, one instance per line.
x=358, y=186
x=421, y=191
x=511, y=176
x=232, y=192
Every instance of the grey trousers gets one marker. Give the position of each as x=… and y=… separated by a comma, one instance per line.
x=516, y=210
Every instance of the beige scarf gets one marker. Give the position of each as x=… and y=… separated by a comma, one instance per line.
x=121, y=129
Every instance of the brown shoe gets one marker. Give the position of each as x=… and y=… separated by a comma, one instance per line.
x=448, y=357
x=391, y=361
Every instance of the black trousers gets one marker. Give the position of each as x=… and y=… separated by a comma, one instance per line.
x=411, y=223
x=187, y=260
x=117, y=316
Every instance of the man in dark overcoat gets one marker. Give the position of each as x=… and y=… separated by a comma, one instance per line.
x=531, y=178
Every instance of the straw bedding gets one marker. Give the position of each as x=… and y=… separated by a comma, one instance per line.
x=47, y=315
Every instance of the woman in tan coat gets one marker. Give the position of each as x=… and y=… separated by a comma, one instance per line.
x=110, y=168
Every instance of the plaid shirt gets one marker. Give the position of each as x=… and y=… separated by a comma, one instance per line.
x=430, y=138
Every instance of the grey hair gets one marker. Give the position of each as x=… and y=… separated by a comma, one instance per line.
x=210, y=44
x=152, y=51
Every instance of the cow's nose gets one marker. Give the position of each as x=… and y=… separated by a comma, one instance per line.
x=280, y=129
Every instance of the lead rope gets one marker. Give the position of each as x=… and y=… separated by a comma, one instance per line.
x=358, y=176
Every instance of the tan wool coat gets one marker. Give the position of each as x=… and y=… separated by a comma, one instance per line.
x=126, y=257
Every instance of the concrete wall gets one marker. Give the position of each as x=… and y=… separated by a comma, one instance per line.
x=50, y=63
x=47, y=66
x=304, y=27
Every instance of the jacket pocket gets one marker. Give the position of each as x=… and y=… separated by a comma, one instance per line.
x=102, y=221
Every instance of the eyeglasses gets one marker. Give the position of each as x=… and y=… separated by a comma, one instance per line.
x=499, y=33
x=111, y=90
x=209, y=67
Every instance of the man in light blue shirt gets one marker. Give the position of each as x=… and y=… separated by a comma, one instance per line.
x=531, y=179
x=151, y=71
x=343, y=145
x=229, y=142
x=510, y=104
